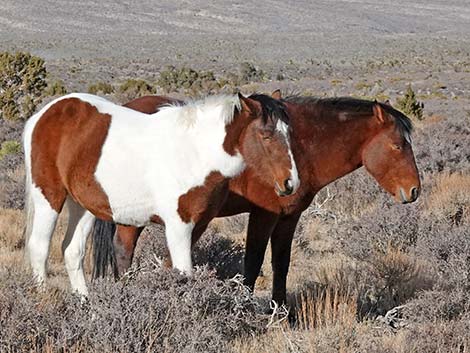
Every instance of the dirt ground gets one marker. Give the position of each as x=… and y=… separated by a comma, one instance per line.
x=108, y=39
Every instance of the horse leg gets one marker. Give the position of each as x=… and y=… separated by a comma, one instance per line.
x=125, y=242
x=43, y=222
x=281, y=244
x=198, y=230
x=260, y=226
x=178, y=238
x=74, y=245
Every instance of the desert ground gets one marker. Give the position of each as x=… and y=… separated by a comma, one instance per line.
x=367, y=274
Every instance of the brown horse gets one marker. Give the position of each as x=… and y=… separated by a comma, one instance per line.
x=330, y=138
x=124, y=166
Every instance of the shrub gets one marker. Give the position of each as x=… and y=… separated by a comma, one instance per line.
x=11, y=176
x=173, y=79
x=9, y=147
x=22, y=82
x=55, y=88
x=132, y=89
x=444, y=146
x=249, y=73
x=446, y=247
x=100, y=87
x=151, y=309
x=221, y=254
x=352, y=195
x=410, y=105
x=382, y=245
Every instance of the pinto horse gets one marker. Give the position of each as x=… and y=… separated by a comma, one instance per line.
x=330, y=138
x=131, y=168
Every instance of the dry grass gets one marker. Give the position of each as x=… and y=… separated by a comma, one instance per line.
x=11, y=241
x=449, y=199
x=321, y=306
x=11, y=182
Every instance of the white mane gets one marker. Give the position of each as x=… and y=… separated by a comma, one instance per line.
x=190, y=112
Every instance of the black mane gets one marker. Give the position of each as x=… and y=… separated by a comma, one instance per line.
x=354, y=106
x=271, y=107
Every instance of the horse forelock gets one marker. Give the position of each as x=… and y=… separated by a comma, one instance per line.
x=273, y=110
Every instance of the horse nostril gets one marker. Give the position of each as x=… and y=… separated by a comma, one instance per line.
x=414, y=193
x=288, y=186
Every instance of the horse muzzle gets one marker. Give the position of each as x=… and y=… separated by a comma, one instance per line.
x=288, y=188
x=412, y=195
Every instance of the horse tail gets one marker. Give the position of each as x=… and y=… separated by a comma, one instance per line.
x=28, y=200
x=29, y=210
x=104, y=255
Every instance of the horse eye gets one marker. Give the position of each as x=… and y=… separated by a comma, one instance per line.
x=396, y=147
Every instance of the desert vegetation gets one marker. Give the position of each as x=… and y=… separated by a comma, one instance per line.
x=22, y=81
x=410, y=105
x=366, y=274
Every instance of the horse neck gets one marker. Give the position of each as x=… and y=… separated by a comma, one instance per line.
x=326, y=147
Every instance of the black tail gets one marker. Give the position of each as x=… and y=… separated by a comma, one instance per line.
x=103, y=249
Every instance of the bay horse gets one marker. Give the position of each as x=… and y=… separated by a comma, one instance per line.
x=120, y=165
x=330, y=138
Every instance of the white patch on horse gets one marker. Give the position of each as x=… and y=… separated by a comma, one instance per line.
x=79, y=226
x=158, y=160
x=43, y=223
x=294, y=175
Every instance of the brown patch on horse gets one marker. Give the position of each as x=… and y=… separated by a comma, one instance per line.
x=150, y=104
x=157, y=219
x=202, y=202
x=124, y=246
x=66, y=147
x=234, y=130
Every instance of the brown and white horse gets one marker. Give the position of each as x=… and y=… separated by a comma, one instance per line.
x=131, y=168
x=330, y=138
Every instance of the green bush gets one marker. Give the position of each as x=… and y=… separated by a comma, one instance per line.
x=136, y=88
x=22, y=82
x=410, y=105
x=173, y=79
x=101, y=87
x=9, y=147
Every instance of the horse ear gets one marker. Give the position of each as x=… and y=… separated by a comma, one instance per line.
x=378, y=112
x=244, y=103
x=276, y=94
x=387, y=102
x=249, y=105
